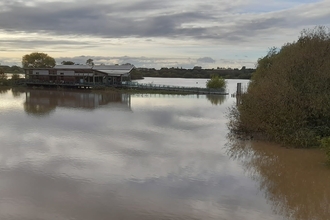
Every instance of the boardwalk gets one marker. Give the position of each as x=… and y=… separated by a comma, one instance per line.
x=183, y=89
x=131, y=85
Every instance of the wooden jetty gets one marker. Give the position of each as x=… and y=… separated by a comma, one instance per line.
x=129, y=85
x=183, y=89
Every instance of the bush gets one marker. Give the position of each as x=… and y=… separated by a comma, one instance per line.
x=15, y=77
x=288, y=98
x=2, y=74
x=216, y=82
x=3, y=78
x=325, y=144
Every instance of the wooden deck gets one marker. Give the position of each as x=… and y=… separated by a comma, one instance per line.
x=64, y=84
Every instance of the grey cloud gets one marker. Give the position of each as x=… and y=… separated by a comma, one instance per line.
x=19, y=43
x=206, y=60
x=149, y=62
x=150, y=19
x=60, y=25
x=96, y=19
x=247, y=30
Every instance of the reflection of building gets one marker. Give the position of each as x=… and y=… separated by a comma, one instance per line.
x=79, y=75
x=44, y=101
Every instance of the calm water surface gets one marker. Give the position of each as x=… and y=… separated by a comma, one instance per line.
x=98, y=155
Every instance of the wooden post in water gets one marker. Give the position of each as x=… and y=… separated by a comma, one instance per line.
x=239, y=89
x=238, y=93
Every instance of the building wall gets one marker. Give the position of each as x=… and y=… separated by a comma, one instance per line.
x=71, y=76
x=66, y=72
x=40, y=72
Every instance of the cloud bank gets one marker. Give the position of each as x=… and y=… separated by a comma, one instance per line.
x=236, y=31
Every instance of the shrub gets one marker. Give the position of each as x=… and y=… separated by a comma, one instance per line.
x=15, y=77
x=3, y=78
x=288, y=97
x=325, y=144
x=216, y=82
x=2, y=74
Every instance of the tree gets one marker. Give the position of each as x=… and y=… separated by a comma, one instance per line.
x=90, y=62
x=287, y=100
x=67, y=62
x=216, y=82
x=3, y=76
x=38, y=60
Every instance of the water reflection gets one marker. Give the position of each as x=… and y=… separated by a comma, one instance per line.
x=164, y=161
x=17, y=91
x=216, y=99
x=213, y=99
x=43, y=102
x=296, y=182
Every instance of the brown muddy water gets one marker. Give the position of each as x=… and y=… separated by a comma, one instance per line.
x=68, y=154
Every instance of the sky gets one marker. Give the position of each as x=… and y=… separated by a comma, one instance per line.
x=155, y=33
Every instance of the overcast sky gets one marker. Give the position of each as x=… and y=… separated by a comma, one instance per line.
x=155, y=33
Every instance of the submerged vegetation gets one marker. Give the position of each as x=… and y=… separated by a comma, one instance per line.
x=287, y=100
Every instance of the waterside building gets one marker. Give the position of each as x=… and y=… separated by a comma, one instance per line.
x=79, y=75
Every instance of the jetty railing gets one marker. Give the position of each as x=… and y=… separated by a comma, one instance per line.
x=195, y=90
x=62, y=83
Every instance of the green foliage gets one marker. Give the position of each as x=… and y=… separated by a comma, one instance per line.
x=90, y=62
x=325, y=144
x=38, y=60
x=4, y=81
x=11, y=69
x=15, y=77
x=136, y=74
x=288, y=98
x=67, y=62
x=3, y=78
x=216, y=82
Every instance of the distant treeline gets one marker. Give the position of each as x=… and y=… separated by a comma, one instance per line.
x=11, y=69
x=197, y=72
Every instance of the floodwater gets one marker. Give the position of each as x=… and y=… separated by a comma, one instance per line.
x=68, y=154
